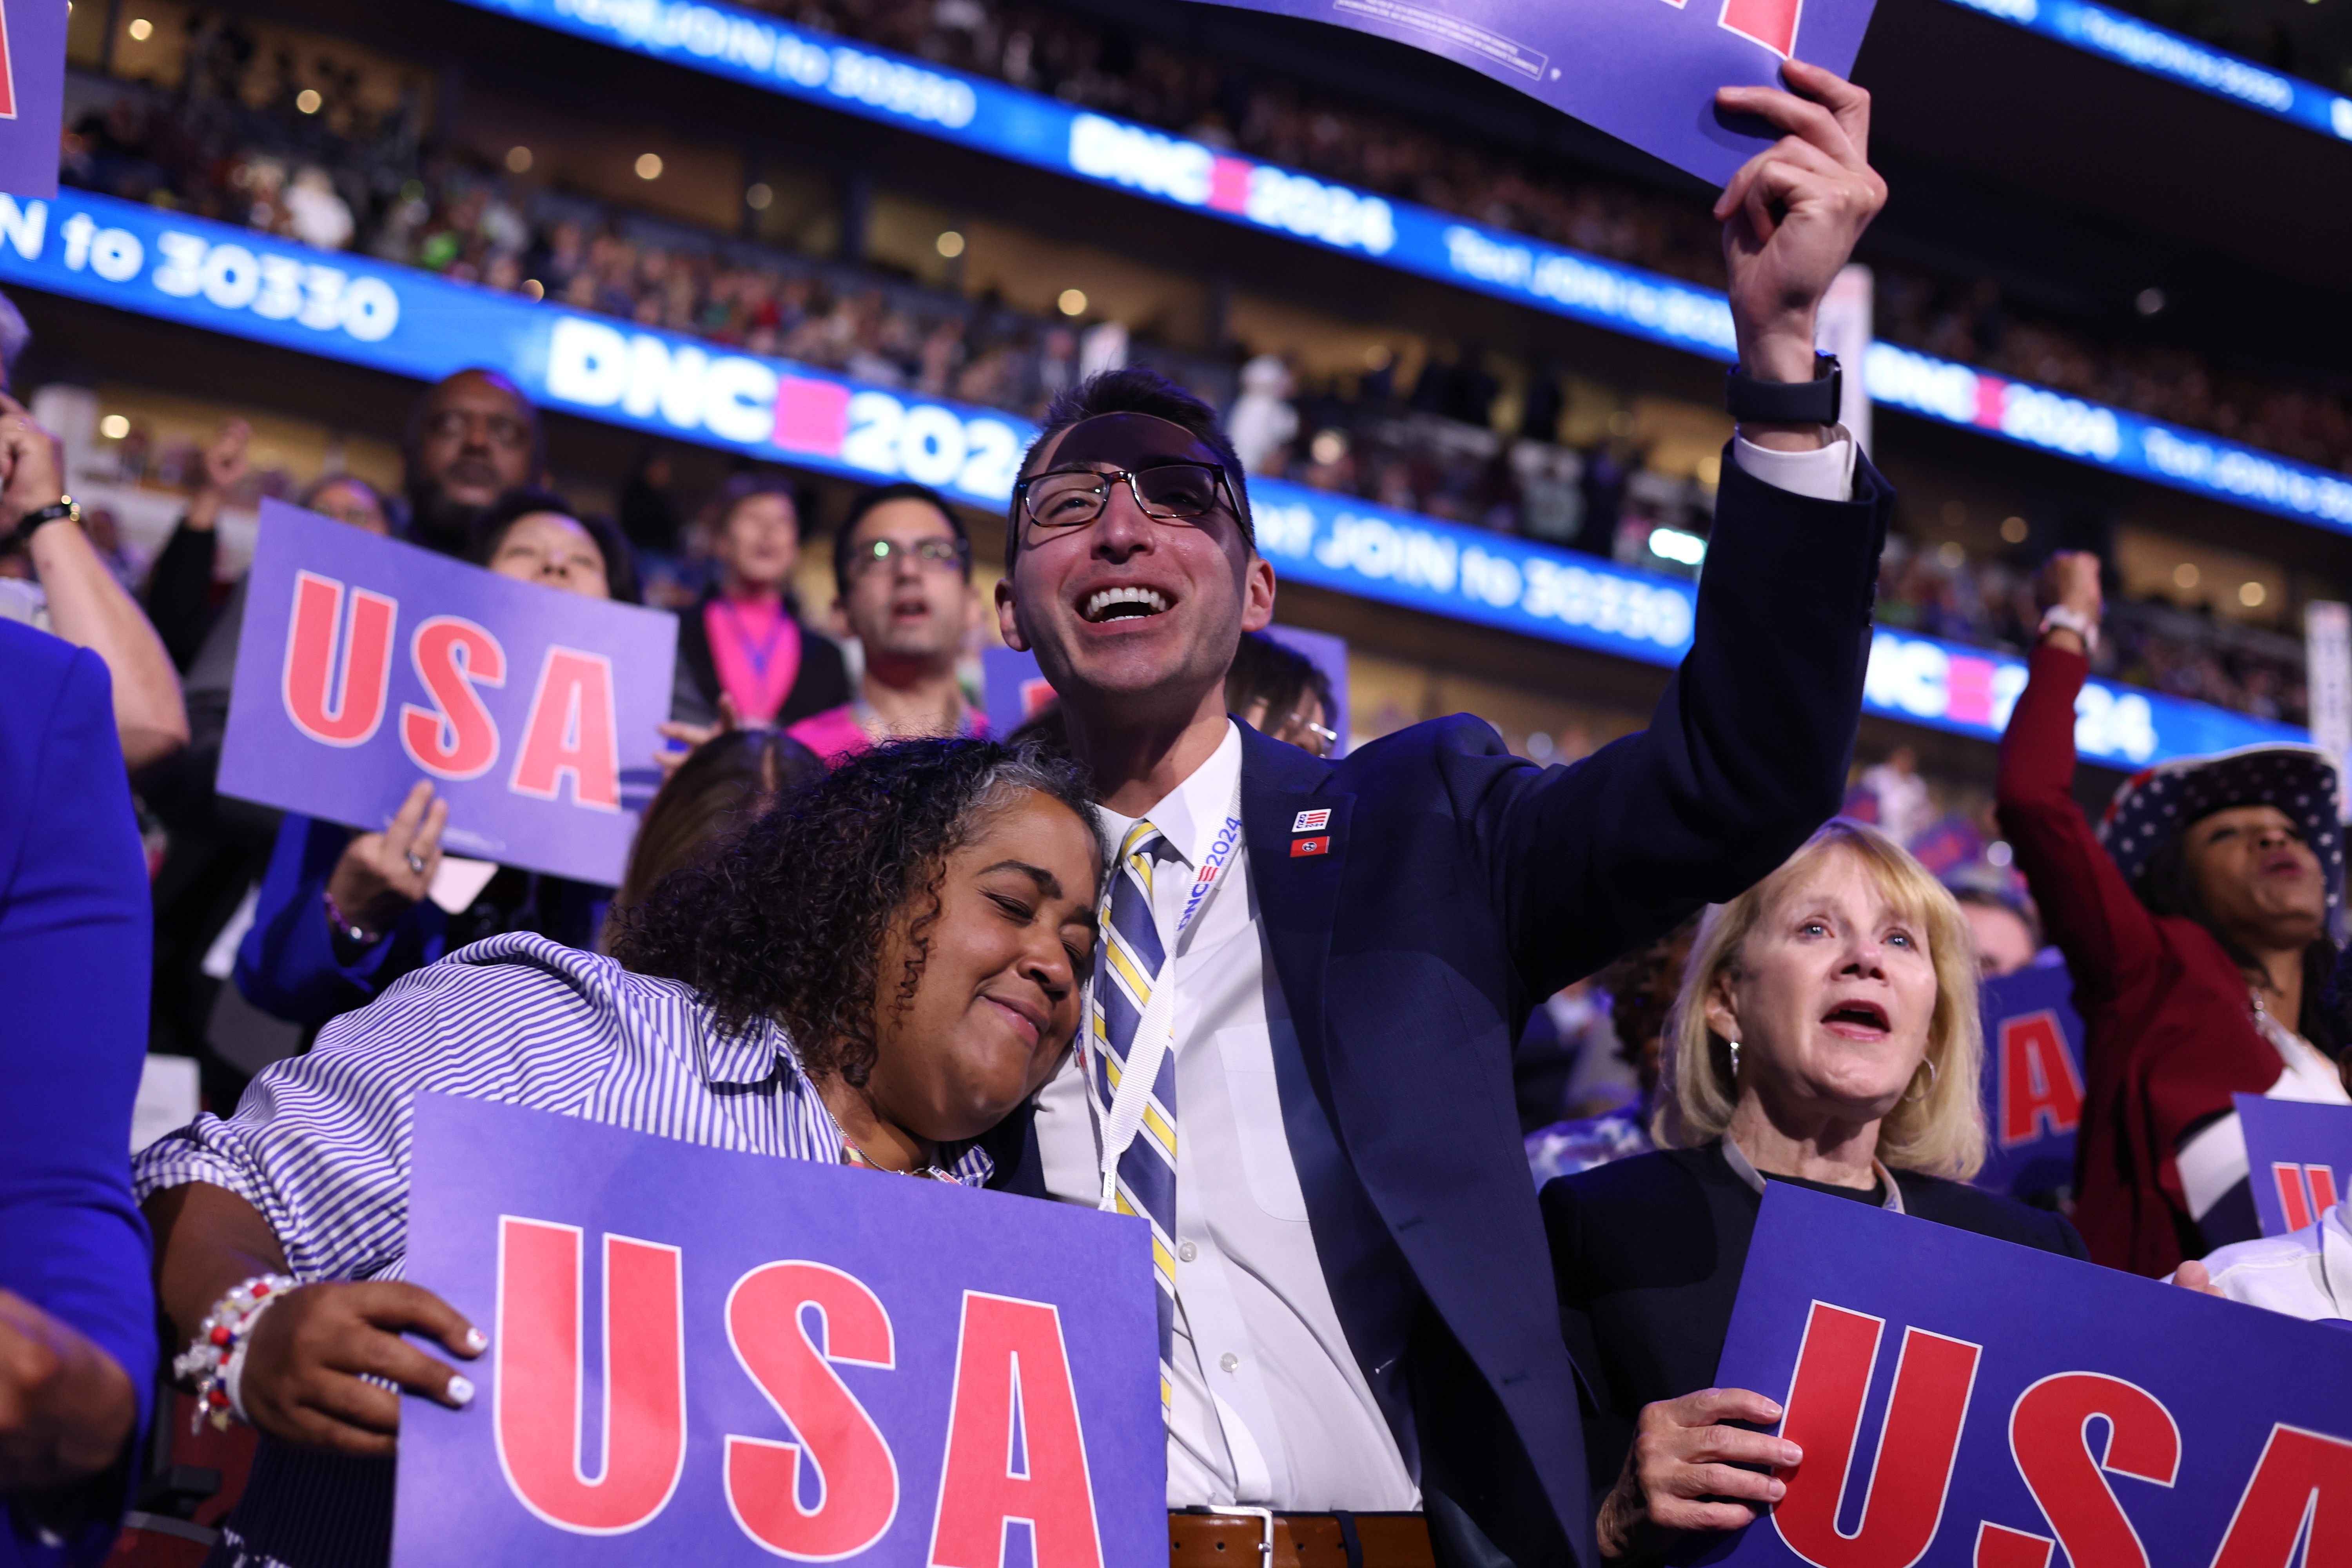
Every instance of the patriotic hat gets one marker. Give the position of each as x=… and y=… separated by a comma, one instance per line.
x=2157, y=802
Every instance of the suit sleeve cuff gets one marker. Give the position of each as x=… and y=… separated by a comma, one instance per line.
x=1826, y=474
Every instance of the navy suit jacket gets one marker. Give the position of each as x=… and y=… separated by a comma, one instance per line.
x=1462, y=886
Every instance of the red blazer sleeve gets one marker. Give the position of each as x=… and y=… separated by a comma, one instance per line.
x=2087, y=908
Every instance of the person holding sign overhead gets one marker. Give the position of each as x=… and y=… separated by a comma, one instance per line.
x=1313, y=971
x=2194, y=922
x=1825, y=1036
x=342, y=915
x=873, y=974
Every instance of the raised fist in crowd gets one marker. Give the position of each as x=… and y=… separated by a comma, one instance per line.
x=2070, y=581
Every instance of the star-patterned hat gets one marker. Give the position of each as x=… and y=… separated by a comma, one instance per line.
x=2157, y=802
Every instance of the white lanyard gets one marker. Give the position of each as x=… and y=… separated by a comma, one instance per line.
x=1155, y=1033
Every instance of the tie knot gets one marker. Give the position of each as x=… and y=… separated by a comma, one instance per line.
x=1145, y=840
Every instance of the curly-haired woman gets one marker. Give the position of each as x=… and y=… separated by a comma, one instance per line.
x=874, y=973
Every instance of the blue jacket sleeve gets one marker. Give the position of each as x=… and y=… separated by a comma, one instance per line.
x=1745, y=756
x=75, y=932
x=286, y=965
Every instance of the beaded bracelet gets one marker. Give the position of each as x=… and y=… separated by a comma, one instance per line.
x=219, y=1337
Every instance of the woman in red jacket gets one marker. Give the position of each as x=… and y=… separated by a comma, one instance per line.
x=2194, y=922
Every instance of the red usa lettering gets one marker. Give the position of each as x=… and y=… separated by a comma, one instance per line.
x=336, y=681
x=1771, y=22
x=2068, y=1434
x=1016, y=1450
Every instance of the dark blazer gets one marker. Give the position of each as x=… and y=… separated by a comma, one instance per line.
x=1462, y=886
x=74, y=926
x=823, y=681
x=1647, y=1254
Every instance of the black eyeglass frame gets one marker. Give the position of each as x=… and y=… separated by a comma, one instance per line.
x=1106, y=477
x=878, y=553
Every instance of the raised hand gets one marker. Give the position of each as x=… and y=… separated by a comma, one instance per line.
x=2071, y=579
x=1683, y=1471
x=34, y=462
x=1793, y=213
x=309, y=1359
x=381, y=875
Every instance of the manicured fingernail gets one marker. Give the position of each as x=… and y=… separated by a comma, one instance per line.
x=1792, y=1454
x=1772, y=1412
x=477, y=1340
x=461, y=1390
x=1776, y=1491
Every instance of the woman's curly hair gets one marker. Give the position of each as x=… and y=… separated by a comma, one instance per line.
x=786, y=919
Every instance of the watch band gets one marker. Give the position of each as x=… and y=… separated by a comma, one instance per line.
x=2081, y=625
x=64, y=508
x=1814, y=402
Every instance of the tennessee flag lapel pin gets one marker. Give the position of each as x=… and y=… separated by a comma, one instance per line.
x=1319, y=844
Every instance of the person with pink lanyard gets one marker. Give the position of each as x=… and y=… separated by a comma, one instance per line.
x=902, y=569
x=742, y=646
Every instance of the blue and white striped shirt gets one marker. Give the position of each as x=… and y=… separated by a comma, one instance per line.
x=320, y=1142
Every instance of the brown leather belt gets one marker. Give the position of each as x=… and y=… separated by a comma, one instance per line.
x=1299, y=1541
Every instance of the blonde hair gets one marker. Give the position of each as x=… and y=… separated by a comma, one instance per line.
x=1938, y=1133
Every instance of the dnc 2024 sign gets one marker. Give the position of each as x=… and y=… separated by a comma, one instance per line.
x=705, y=1357
x=365, y=665
x=1967, y=1402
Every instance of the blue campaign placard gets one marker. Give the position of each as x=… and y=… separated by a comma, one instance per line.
x=365, y=665
x=1643, y=71
x=701, y=1356
x=2032, y=1083
x=1965, y=1401
x=2298, y=1159
x=32, y=94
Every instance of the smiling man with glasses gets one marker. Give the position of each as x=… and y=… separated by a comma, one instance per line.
x=902, y=575
x=1304, y=1082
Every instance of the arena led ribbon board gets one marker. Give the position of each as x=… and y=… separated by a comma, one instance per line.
x=1042, y=133
x=361, y=312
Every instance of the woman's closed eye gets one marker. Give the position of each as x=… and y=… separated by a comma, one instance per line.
x=1014, y=909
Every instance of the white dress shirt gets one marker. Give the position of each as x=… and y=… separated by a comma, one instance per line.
x=1270, y=1407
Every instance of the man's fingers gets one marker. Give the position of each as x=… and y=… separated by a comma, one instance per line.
x=1737, y=1446
x=1850, y=103
x=1693, y=1482
x=1798, y=116
x=2198, y=1278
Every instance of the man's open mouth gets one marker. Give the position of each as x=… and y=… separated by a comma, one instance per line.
x=1124, y=603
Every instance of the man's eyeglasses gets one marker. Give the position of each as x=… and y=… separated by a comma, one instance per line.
x=928, y=555
x=1173, y=492
x=456, y=423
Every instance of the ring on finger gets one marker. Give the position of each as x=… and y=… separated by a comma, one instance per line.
x=416, y=862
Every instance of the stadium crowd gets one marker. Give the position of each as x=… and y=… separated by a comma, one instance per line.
x=856, y=928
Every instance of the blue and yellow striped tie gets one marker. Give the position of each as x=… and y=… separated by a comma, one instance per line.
x=1127, y=963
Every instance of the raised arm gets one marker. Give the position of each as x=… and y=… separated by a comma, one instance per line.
x=2087, y=907
x=87, y=605
x=1746, y=754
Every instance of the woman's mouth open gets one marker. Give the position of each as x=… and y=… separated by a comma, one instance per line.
x=1857, y=1020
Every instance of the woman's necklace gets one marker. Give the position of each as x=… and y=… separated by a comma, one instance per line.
x=851, y=1154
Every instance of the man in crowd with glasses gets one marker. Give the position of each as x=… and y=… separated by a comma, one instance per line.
x=902, y=571
x=1298, y=1060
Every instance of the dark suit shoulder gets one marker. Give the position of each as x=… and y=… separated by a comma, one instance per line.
x=1964, y=1207
x=1632, y=1224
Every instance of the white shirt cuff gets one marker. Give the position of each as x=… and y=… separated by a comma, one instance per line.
x=1825, y=474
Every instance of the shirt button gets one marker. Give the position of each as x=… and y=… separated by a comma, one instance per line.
x=1187, y=1252
x=1229, y=1360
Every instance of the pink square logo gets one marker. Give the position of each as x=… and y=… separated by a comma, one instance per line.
x=812, y=416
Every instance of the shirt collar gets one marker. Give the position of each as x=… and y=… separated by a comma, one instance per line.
x=1744, y=1169
x=1189, y=814
x=745, y=1058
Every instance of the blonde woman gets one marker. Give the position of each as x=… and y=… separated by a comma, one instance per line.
x=1825, y=1036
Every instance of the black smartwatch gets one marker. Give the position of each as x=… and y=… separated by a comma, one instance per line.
x=64, y=508
x=1814, y=402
